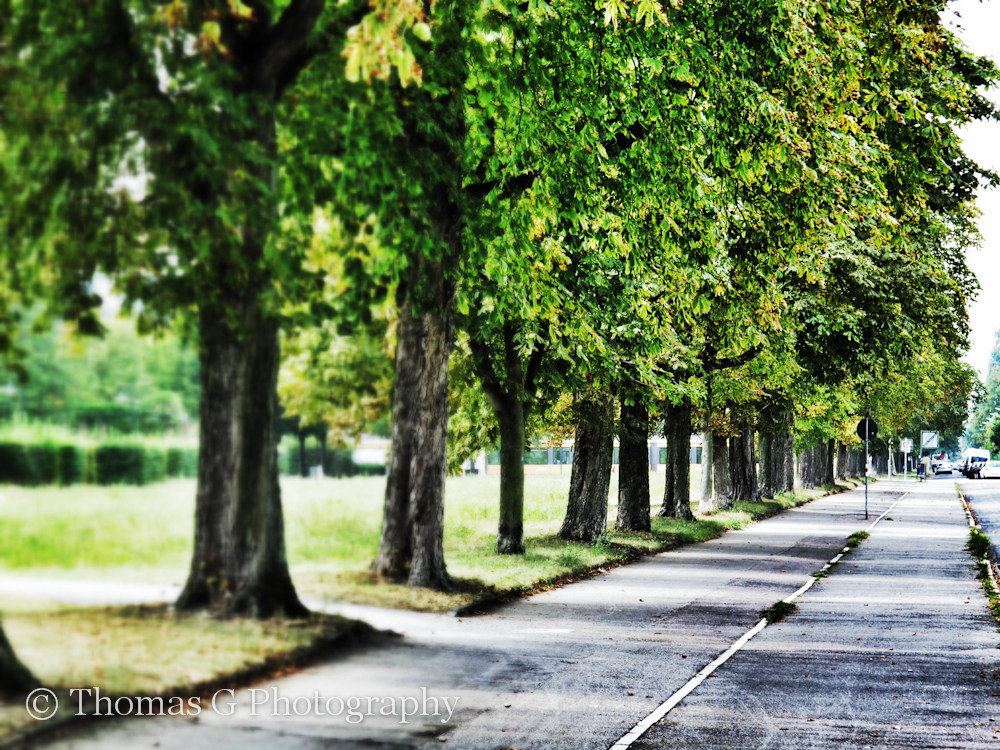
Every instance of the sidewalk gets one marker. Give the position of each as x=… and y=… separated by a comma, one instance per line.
x=579, y=666
x=895, y=649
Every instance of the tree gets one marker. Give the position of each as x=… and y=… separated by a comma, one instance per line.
x=15, y=679
x=587, y=510
x=200, y=103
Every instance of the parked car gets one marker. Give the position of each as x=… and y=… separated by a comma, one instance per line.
x=975, y=458
x=990, y=470
x=943, y=466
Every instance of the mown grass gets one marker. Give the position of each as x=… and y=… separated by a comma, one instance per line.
x=332, y=531
x=147, y=650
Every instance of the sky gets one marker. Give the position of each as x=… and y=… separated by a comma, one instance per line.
x=978, y=24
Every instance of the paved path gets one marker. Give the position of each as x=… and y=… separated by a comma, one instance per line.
x=579, y=666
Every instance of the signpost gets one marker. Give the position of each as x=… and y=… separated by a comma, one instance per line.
x=928, y=440
x=867, y=429
x=906, y=446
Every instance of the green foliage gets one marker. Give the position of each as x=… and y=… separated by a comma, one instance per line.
x=120, y=382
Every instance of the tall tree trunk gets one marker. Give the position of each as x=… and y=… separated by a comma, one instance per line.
x=743, y=466
x=831, y=448
x=510, y=417
x=303, y=465
x=841, y=470
x=430, y=442
x=766, y=461
x=15, y=679
x=667, y=509
x=396, y=546
x=633, y=464
x=706, y=503
x=722, y=473
x=783, y=452
x=590, y=480
x=677, y=492
x=239, y=564
x=805, y=467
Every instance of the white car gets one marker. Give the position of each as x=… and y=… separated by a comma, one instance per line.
x=990, y=470
x=943, y=467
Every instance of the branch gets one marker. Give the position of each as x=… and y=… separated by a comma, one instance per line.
x=535, y=360
x=484, y=369
x=729, y=362
x=523, y=182
x=288, y=38
x=335, y=33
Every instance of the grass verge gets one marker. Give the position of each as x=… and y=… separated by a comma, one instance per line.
x=979, y=547
x=856, y=538
x=332, y=534
x=778, y=611
x=151, y=651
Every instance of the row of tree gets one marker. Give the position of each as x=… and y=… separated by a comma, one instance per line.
x=733, y=213
x=983, y=430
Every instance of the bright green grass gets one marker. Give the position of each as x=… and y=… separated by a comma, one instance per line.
x=332, y=532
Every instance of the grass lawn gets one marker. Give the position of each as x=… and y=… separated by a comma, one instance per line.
x=141, y=534
x=147, y=650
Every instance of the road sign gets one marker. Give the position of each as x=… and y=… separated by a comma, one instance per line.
x=906, y=445
x=867, y=429
x=928, y=440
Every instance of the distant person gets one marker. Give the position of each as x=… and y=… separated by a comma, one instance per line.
x=924, y=469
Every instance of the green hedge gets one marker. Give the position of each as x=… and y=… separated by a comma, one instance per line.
x=41, y=463
x=182, y=462
x=48, y=463
x=15, y=465
x=118, y=464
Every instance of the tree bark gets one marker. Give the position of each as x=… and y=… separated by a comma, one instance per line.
x=590, y=479
x=722, y=473
x=510, y=418
x=633, y=464
x=841, y=468
x=395, y=550
x=15, y=679
x=511, y=395
x=677, y=492
x=805, y=469
x=743, y=466
x=429, y=460
x=831, y=448
x=706, y=503
x=239, y=564
x=303, y=467
x=412, y=542
x=766, y=463
x=783, y=452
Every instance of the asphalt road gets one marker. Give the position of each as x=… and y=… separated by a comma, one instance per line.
x=893, y=649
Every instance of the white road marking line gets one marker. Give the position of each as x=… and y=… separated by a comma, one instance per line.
x=664, y=708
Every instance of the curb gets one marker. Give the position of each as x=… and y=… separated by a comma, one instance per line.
x=493, y=601
x=989, y=564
